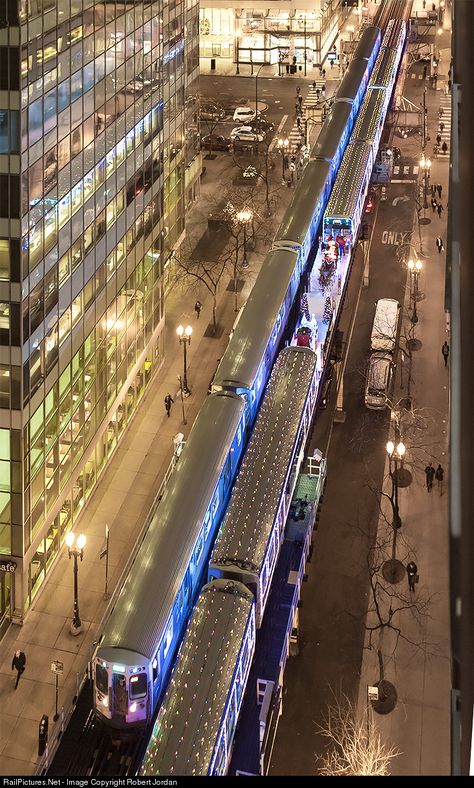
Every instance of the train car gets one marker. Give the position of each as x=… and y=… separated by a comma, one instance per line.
x=194, y=731
x=386, y=65
x=250, y=537
x=368, y=45
x=301, y=221
x=248, y=358
x=136, y=651
x=370, y=122
x=344, y=209
x=333, y=137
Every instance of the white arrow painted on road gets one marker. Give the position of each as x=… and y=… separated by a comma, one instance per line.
x=403, y=198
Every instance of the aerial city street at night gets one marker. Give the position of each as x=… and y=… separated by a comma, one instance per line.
x=236, y=521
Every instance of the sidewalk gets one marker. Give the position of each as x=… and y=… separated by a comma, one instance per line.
x=419, y=725
x=122, y=499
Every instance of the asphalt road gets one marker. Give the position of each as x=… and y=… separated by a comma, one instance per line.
x=334, y=598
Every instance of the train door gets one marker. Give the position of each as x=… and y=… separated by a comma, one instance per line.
x=119, y=695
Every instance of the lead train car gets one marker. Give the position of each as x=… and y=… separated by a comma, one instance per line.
x=194, y=730
x=250, y=537
x=136, y=651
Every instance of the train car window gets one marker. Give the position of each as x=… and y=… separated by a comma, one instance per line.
x=102, y=678
x=138, y=686
x=168, y=638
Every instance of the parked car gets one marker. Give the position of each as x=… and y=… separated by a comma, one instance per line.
x=216, y=142
x=262, y=125
x=210, y=113
x=244, y=114
x=371, y=200
x=245, y=134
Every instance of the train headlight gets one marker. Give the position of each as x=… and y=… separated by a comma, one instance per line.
x=132, y=708
x=105, y=701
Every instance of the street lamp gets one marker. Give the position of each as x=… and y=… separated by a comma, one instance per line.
x=395, y=454
x=244, y=217
x=75, y=551
x=283, y=146
x=184, y=335
x=414, y=266
x=425, y=165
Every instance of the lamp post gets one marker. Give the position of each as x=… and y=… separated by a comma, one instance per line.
x=425, y=165
x=184, y=335
x=283, y=146
x=237, y=48
x=75, y=551
x=414, y=266
x=244, y=217
x=256, y=93
x=395, y=455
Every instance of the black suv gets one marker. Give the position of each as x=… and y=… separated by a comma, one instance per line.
x=264, y=126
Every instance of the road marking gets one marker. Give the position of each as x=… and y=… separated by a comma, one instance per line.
x=403, y=198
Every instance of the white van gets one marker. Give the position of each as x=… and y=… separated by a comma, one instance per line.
x=385, y=327
x=378, y=380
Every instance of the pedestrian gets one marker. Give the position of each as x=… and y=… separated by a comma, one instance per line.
x=449, y=86
x=439, y=476
x=300, y=100
x=324, y=73
x=323, y=91
x=440, y=209
x=435, y=80
x=298, y=122
x=168, y=403
x=433, y=190
x=424, y=4
x=438, y=139
x=412, y=572
x=19, y=664
x=425, y=70
x=445, y=352
x=197, y=308
x=318, y=93
x=314, y=84
x=439, y=189
x=298, y=91
x=444, y=147
x=429, y=473
x=441, y=127
x=439, y=244
x=433, y=204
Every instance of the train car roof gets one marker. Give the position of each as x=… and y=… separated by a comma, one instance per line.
x=147, y=596
x=368, y=39
x=242, y=358
x=394, y=29
x=245, y=530
x=383, y=69
x=187, y=727
x=298, y=217
x=369, y=116
x=350, y=85
x=331, y=132
x=346, y=189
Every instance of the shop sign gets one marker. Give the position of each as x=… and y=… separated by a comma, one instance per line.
x=7, y=566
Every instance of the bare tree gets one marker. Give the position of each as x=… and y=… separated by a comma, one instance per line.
x=212, y=113
x=355, y=747
x=259, y=165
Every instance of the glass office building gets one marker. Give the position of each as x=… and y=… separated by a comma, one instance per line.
x=96, y=169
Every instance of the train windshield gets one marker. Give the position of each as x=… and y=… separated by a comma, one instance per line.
x=138, y=686
x=101, y=678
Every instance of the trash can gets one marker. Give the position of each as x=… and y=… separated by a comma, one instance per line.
x=213, y=64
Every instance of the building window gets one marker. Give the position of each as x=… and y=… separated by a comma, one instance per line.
x=4, y=259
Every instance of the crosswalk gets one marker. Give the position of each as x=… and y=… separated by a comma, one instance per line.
x=297, y=134
x=444, y=117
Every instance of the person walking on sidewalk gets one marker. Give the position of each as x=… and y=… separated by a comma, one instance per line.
x=445, y=352
x=438, y=139
x=441, y=127
x=433, y=191
x=168, y=403
x=434, y=204
x=429, y=472
x=19, y=664
x=439, y=189
x=197, y=308
x=440, y=209
x=439, y=476
x=444, y=146
x=439, y=244
x=412, y=572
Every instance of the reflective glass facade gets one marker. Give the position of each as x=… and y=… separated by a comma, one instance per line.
x=96, y=168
